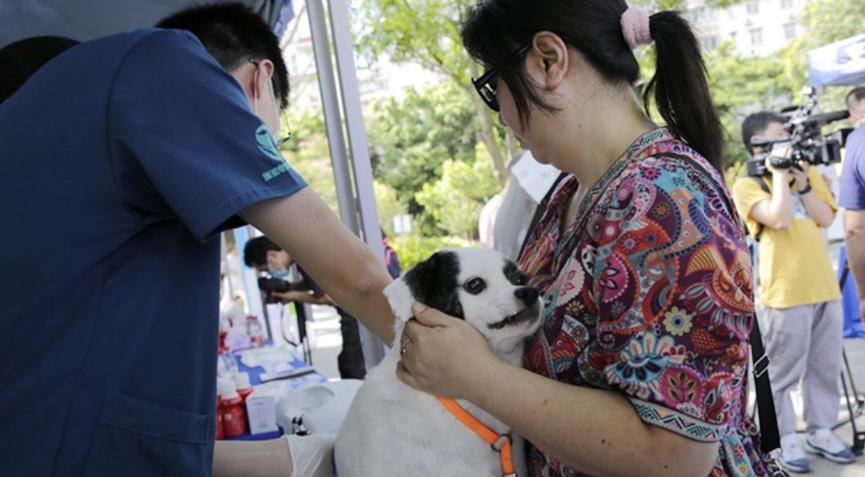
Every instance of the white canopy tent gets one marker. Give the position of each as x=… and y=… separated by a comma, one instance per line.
x=838, y=64
x=87, y=19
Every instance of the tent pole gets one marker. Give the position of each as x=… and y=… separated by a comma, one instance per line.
x=358, y=211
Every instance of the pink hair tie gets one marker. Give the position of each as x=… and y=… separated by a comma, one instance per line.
x=635, y=27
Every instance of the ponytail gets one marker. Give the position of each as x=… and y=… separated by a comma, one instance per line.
x=681, y=89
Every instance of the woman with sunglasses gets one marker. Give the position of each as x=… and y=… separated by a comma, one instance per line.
x=640, y=365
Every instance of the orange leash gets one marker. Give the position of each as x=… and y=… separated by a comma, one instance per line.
x=499, y=443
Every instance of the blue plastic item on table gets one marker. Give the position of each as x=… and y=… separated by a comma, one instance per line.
x=293, y=366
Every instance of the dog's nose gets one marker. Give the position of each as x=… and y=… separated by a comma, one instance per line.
x=528, y=295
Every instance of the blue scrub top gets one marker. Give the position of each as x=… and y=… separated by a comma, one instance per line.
x=121, y=161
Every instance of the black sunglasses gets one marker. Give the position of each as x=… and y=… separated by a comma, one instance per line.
x=485, y=88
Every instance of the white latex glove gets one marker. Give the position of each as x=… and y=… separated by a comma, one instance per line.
x=312, y=455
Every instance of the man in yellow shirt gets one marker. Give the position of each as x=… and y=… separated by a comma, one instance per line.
x=785, y=211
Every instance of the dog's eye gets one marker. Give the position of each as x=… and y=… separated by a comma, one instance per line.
x=475, y=286
x=514, y=275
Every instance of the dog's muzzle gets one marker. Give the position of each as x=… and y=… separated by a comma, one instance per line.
x=527, y=315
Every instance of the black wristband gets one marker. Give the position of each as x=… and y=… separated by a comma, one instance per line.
x=805, y=189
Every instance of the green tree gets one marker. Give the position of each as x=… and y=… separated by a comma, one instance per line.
x=412, y=137
x=741, y=86
x=824, y=21
x=308, y=153
x=454, y=202
x=414, y=248
x=427, y=32
x=389, y=206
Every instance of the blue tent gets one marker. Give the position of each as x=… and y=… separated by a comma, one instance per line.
x=838, y=64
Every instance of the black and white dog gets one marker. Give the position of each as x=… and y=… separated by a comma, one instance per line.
x=394, y=430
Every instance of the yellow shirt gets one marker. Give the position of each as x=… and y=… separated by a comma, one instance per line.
x=794, y=266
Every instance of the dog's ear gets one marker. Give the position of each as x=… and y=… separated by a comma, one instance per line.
x=433, y=282
x=416, y=284
x=399, y=296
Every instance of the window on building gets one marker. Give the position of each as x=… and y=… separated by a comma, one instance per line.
x=757, y=37
x=786, y=4
x=790, y=31
x=752, y=8
x=710, y=42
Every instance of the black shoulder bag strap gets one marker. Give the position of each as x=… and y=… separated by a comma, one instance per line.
x=770, y=438
x=539, y=211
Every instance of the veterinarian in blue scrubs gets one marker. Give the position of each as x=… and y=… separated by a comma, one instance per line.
x=123, y=159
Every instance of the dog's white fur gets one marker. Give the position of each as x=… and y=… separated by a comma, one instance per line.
x=394, y=430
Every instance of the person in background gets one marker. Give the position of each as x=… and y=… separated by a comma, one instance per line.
x=265, y=255
x=391, y=258
x=159, y=140
x=640, y=363
x=21, y=59
x=786, y=211
x=852, y=195
x=523, y=199
x=487, y=219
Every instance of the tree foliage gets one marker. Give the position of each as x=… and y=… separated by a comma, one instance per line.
x=741, y=86
x=414, y=248
x=427, y=32
x=389, y=206
x=824, y=22
x=437, y=152
x=454, y=201
x=412, y=137
x=308, y=153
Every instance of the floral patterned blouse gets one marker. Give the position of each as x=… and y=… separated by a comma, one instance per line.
x=649, y=294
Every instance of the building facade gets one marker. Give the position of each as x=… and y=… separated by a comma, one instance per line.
x=756, y=27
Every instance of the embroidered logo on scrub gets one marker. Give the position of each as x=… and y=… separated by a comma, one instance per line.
x=267, y=146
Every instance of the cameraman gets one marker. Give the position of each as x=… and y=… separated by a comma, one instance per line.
x=852, y=196
x=785, y=210
x=266, y=256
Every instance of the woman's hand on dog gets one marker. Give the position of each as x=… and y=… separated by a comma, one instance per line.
x=442, y=355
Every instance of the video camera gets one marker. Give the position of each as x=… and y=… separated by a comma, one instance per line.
x=270, y=285
x=807, y=142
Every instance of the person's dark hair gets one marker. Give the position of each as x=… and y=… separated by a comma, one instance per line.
x=233, y=34
x=495, y=29
x=255, y=251
x=755, y=124
x=19, y=60
x=858, y=94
